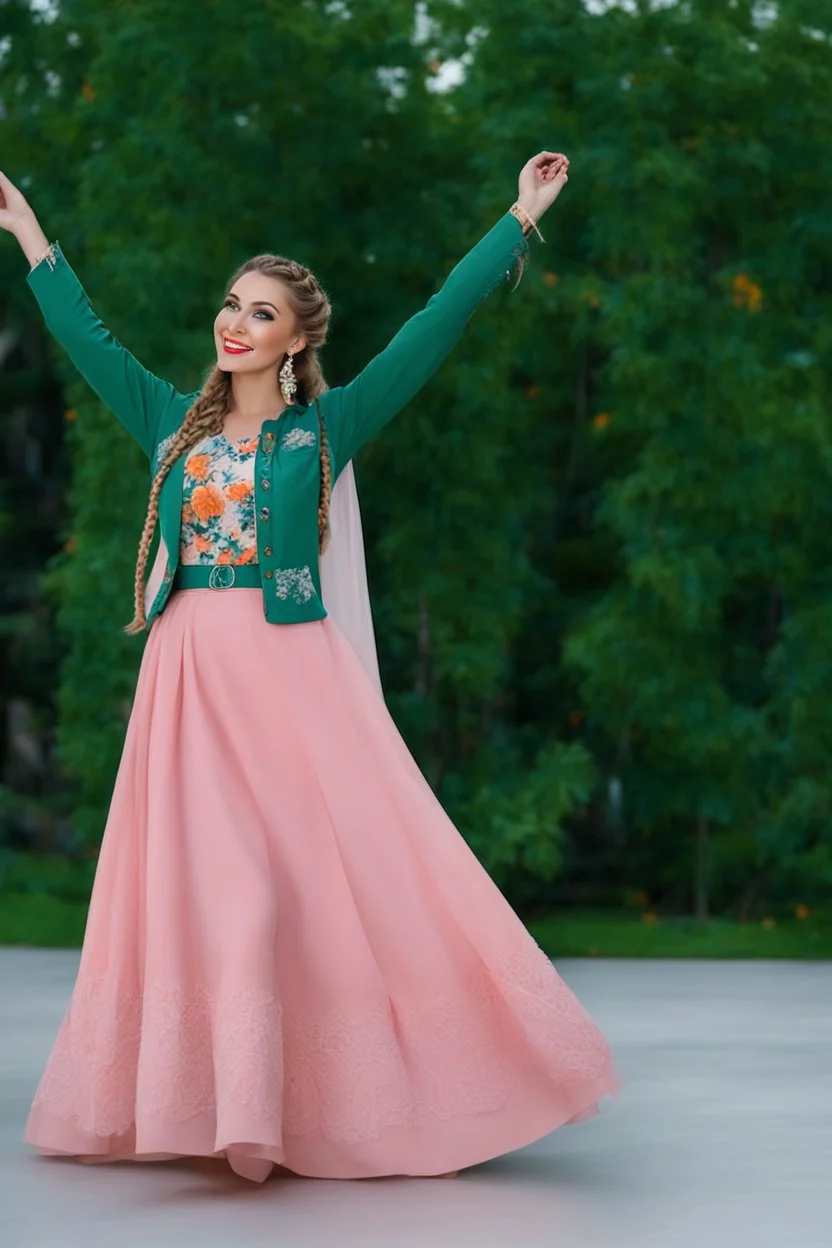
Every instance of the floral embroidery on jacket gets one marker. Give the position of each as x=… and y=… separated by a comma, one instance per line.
x=218, y=524
x=297, y=438
x=295, y=583
x=162, y=450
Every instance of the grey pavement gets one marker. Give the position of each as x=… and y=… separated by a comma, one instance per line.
x=722, y=1136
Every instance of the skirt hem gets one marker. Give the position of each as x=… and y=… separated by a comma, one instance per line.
x=456, y=1144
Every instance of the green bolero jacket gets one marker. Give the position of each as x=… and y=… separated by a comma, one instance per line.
x=287, y=464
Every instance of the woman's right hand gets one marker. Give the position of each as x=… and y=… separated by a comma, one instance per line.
x=14, y=208
x=17, y=216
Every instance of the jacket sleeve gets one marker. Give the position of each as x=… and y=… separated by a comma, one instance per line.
x=136, y=397
x=355, y=412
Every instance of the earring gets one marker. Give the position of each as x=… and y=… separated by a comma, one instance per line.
x=288, y=381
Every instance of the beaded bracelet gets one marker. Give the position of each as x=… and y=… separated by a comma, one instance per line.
x=527, y=222
x=48, y=255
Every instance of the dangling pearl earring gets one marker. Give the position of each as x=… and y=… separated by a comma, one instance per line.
x=288, y=381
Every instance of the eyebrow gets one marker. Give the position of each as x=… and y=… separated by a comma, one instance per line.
x=256, y=303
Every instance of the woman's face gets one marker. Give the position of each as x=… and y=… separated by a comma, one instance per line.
x=255, y=327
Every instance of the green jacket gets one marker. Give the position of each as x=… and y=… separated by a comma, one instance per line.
x=287, y=465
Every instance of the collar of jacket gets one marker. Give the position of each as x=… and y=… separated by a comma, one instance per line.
x=286, y=494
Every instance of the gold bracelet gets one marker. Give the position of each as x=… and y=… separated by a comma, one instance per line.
x=526, y=220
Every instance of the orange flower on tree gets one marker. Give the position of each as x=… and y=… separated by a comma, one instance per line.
x=207, y=501
x=532, y=392
x=88, y=92
x=551, y=279
x=745, y=293
x=71, y=415
x=601, y=420
x=197, y=466
x=801, y=911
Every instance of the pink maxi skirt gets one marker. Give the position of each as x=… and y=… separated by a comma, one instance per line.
x=291, y=954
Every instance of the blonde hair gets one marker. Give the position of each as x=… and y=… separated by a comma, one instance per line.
x=207, y=413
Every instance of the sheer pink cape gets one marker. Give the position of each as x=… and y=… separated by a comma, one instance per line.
x=344, y=575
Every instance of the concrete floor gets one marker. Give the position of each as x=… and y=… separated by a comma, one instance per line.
x=721, y=1137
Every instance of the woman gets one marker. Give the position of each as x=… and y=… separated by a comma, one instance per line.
x=292, y=958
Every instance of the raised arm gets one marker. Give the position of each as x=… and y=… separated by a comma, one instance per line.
x=358, y=410
x=135, y=396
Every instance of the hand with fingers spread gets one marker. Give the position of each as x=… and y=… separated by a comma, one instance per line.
x=18, y=218
x=541, y=181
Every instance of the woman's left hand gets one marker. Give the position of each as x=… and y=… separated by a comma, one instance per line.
x=541, y=181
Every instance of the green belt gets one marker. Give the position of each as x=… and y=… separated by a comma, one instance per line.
x=217, y=576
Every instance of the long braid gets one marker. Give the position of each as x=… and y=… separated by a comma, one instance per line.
x=325, y=497
x=205, y=416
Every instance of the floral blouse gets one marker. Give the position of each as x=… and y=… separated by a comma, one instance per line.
x=218, y=523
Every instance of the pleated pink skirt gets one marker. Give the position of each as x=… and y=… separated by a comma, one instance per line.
x=291, y=955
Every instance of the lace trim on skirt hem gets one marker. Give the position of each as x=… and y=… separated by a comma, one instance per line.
x=171, y=1053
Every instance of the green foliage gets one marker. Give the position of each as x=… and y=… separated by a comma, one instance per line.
x=608, y=934
x=693, y=475
x=516, y=819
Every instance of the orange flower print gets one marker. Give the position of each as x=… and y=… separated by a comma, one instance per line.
x=224, y=556
x=197, y=466
x=248, y=556
x=246, y=448
x=238, y=490
x=207, y=501
x=202, y=544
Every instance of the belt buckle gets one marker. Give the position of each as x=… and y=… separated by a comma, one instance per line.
x=221, y=576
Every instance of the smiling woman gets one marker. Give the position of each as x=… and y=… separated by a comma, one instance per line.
x=256, y=330
x=291, y=957
x=275, y=312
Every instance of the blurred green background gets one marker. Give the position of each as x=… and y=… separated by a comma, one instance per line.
x=628, y=711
